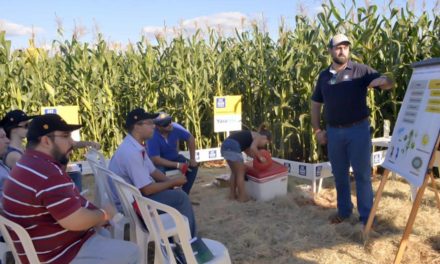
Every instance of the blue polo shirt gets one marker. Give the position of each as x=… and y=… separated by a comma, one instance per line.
x=344, y=94
x=167, y=147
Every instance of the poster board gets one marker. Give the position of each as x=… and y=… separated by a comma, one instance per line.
x=227, y=113
x=68, y=112
x=418, y=124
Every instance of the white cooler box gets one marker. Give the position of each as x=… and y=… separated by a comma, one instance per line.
x=267, y=184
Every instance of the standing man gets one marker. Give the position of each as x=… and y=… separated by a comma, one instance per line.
x=163, y=149
x=342, y=89
x=132, y=163
x=40, y=196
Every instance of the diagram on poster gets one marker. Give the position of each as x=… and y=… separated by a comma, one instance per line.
x=418, y=124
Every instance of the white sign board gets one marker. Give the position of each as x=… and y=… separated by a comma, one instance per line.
x=205, y=154
x=418, y=124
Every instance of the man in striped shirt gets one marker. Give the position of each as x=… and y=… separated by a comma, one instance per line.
x=40, y=196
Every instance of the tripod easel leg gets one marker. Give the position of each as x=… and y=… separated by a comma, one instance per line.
x=375, y=205
x=410, y=223
x=434, y=187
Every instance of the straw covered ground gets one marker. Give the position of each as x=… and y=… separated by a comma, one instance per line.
x=295, y=228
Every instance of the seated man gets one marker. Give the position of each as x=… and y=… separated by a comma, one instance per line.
x=43, y=199
x=163, y=148
x=131, y=162
x=4, y=170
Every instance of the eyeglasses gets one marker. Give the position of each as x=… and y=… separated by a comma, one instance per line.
x=165, y=124
x=66, y=136
x=26, y=126
x=148, y=123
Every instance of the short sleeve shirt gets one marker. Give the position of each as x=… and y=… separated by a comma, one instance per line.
x=344, y=94
x=37, y=195
x=132, y=163
x=167, y=147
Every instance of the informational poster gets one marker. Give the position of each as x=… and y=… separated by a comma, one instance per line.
x=418, y=124
x=227, y=113
x=69, y=113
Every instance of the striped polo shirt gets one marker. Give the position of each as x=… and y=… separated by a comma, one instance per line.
x=38, y=194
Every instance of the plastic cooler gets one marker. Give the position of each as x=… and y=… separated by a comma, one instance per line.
x=266, y=185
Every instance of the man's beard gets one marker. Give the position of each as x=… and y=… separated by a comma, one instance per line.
x=59, y=156
x=340, y=60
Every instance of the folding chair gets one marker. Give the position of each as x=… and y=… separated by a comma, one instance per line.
x=138, y=233
x=23, y=238
x=150, y=213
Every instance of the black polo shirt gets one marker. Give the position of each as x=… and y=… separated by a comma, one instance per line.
x=344, y=94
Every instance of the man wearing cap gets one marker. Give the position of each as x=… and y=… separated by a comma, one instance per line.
x=4, y=170
x=41, y=197
x=163, y=149
x=16, y=126
x=342, y=89
x=131, y=162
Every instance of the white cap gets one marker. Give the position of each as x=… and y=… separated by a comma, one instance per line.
x=338, y=39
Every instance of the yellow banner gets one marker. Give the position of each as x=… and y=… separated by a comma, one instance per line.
x=67, y=112
x=70, y=113
x=227, y=105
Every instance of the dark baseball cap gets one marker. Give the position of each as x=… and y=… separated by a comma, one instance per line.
x=15, y=117
x=163, y=119
x=137, y=115
x=44, y=124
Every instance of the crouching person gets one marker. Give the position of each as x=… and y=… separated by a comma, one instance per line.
x=42, y=198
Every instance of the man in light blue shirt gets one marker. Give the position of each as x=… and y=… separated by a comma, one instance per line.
x=163, y=149
x=132, y=163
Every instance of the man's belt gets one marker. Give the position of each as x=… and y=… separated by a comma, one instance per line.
x=349, y=124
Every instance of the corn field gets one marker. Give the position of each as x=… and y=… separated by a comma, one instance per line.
x=182, y=75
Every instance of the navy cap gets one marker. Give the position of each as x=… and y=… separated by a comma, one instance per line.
x=163, y=119
x=137, y=115
x=15, y=117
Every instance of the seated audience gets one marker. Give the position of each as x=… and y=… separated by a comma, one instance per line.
x=132, y=163
x=163, y=149
x=41, y=197
x=16, y=126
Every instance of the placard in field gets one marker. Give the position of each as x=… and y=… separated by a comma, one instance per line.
x=418, y=124
x=68, y=112
x=227, y=113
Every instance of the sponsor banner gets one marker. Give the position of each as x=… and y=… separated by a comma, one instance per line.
x=227, y=113
x=68, y=113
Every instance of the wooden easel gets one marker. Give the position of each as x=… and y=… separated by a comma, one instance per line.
x=415, y=207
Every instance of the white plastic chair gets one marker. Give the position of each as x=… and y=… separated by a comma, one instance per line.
x=138, y=233
x=4, y=248
x=96, y=158
x=102, y=179
x=23, y=237
x=150, y=213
